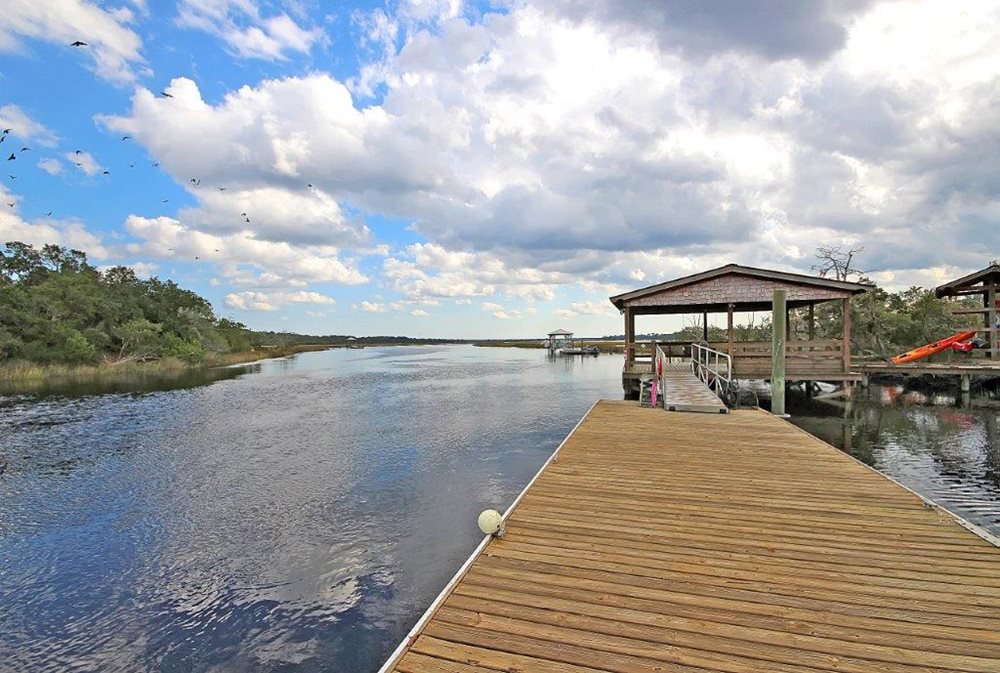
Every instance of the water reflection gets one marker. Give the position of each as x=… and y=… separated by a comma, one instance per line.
x=298, y=519
x=949, y=455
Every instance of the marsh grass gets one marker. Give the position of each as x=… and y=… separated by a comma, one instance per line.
x=30, y=374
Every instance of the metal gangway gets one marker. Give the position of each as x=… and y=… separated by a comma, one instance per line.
x=699, y=384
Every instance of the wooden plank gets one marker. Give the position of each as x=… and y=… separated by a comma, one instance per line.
x=707, y=542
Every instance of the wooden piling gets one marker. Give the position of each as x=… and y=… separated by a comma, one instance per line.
x=779, y=315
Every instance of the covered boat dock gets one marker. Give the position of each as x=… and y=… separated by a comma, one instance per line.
x=735, y=289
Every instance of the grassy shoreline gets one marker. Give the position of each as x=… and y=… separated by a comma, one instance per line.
x=30, y=375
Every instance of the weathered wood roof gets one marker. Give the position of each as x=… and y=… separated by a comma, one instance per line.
x=747, y=288
x=990, y=274
x=560, y=332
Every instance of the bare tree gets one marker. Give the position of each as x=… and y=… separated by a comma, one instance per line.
x=836, y=262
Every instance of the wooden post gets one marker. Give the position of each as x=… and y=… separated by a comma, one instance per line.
x=991, y=316
x=778, y=314
x=965, y=390
x=812, y=322
x=788, y=324
x=629, y=336
x=846, y=344
x=704, y=325
x=729, y=328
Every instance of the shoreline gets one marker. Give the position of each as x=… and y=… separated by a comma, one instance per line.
x=21, y=377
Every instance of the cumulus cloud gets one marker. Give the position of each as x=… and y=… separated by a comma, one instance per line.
x=574, y=144
x=247, y=33
x=586, y=308
x=113, y=47
x=420, y=313
x=373, y=307
x=42, y=231
x=781, y=29
x=85, y=162
x=277, y=262
x=272, y=301
x=50, y=166
x=24, y=127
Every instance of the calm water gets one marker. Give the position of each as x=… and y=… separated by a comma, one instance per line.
x=300, y=516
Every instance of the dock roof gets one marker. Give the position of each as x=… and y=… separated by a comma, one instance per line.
x=988, y=276
x=561, y=332
x=747, y=288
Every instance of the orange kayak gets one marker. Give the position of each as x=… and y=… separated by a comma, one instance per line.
x=931, y=349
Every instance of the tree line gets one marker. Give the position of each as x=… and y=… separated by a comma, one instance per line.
x=58, y=308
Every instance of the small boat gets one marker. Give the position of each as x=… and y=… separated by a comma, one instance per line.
x=586, y=350
x=931, y=349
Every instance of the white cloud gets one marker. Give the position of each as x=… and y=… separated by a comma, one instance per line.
x=112, y=46
x=50, y=166
x=84, y=161
x=245, y=31
x=490, y=306
x=44, y=230
x=420, y=313
x=281, y=263
x=24, y=128
x=539, y=149
x=272, y=301
x=373, y=307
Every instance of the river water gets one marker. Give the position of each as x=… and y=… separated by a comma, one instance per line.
x=298, y=515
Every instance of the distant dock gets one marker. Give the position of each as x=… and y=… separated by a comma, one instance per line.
x=736, y=542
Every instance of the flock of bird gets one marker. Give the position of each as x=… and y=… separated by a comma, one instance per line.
x=81, y=162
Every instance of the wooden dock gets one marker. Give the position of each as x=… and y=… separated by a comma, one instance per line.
x=683, y=391
x=714, y=542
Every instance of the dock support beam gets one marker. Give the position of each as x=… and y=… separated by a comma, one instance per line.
x=846, y=344
x=965, y=390
x=778, y=317
x=991, y=317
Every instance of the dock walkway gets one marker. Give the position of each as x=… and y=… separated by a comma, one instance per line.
x=683, y=391
x=715, y=542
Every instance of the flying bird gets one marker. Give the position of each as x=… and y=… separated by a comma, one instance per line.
x=10, y=204
x=310, y=185
x=106, y=173
x=164, y=200
x=12, y=177
x=156, y=163
x=11, y=157
x=25, y=149
x=3, y=137
x=131, y=165
x=222, y=189
x=78, y=152
x=6, y=131
x=165, y=94
x=195, y=182
x=197, y=257
x=78, y=163
x=124, y=138
x=78, y=43
x=48, y=214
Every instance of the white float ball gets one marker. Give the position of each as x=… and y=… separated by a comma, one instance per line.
x=490, y=522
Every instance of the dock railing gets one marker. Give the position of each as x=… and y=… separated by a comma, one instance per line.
x=708, y=364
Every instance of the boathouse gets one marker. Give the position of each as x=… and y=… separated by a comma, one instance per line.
x=735, y=289
x=984, y=283
x=558, y=339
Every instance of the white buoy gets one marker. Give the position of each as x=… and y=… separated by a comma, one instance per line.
x=491, y=522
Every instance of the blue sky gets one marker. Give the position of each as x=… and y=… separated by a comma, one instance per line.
x=441, y=168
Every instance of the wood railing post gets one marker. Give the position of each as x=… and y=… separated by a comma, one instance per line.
x=847, y=335
x=778, y=315
x=991, y=316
